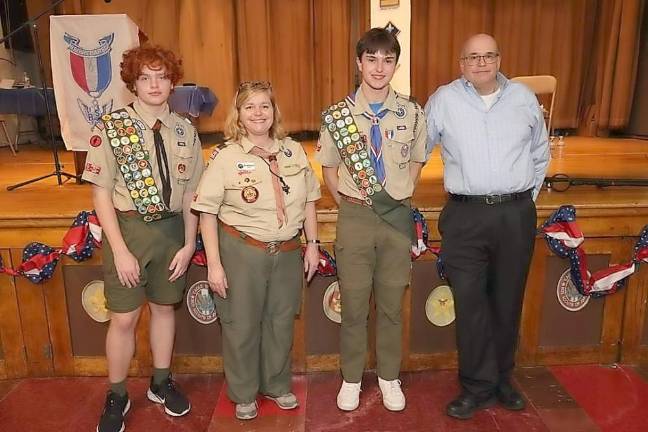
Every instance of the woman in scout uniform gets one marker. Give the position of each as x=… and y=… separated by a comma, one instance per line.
x=144, y=166
x=256, y=195
x=372, y=148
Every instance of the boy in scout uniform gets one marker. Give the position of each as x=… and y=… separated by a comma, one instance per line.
x=144, y=165
x=372, y=148
x=257, y=194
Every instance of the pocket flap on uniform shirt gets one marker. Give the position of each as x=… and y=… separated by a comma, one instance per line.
x=292, y=169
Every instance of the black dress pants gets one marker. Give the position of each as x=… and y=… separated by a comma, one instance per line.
x=486, y=252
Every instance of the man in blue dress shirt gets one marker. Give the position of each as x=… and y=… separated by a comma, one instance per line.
x=495, y=152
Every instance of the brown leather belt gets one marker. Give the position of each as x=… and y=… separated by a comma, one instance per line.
x=271, y=248
x=353, y=200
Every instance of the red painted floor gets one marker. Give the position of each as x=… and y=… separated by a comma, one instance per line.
x=566, y=398
x=615, y=397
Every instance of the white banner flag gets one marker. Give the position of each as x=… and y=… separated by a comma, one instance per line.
x=86, y=52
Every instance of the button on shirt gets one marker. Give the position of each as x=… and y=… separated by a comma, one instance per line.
x=403, y=141
x=183, y=152
x=237, y=186
x=496, y=150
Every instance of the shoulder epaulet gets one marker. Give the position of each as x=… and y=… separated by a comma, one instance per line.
x=217, y=150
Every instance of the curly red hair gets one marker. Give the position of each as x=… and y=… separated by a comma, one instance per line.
x=153, y=56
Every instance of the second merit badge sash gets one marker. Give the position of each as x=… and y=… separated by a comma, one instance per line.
x=126, y=144
x=354, y=153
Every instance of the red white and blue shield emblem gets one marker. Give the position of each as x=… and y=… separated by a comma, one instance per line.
x=91, y=68
x=92, y=71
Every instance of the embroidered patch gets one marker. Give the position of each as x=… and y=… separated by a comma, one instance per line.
x=250, y=194
x=92, y=168
x=95, y=140
x=401, y=112
x=179, y=130
x=182, y=168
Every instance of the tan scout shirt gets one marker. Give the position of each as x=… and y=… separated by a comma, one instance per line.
x=183, y=152
x=237, y=186
x=403, y=141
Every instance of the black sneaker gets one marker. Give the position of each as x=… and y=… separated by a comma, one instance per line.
x=175, y=403
x=112, y=418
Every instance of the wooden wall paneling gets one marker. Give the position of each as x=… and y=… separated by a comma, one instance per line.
x=57, y=317
x=34, y=324
x=607, y=350
x=532, y=306
x=14, y=361
x=634, y=316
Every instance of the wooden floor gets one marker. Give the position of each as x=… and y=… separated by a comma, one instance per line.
x=45, y=203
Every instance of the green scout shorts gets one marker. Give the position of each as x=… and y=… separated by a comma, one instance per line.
x=154, y=244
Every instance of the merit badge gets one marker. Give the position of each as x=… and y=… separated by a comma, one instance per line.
x=112, y=133
x=94, y=301
x=250, y=194
x=401, y=112
x=95, y=140
x=337, y=115
x=179, y=130
x=332, y=303
x=568, y=295
x=115, y=115
x=200, y=303
x=439, y=307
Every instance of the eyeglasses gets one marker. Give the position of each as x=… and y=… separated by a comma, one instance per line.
x=474, y=59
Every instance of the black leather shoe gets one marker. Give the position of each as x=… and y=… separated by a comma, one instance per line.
x=464, y=406
x=509, y=398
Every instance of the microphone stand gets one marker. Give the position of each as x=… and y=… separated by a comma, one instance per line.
x=58, y=171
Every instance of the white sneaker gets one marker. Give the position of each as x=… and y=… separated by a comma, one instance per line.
x=393, y=397
x=348, y=397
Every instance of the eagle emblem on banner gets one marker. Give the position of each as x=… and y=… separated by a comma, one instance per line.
x=92, y=72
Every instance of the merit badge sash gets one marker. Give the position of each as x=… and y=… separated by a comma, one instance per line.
x=354, y=153
x=126, y=144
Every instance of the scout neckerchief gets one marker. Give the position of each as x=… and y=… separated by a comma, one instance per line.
x=345, y=133
x=133, y=160
x=376, y=140
x=163, y=163
x=273, y=165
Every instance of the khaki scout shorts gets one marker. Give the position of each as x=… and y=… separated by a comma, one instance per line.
x=154, y=244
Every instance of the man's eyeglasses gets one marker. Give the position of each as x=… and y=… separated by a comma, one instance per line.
x=474, y=59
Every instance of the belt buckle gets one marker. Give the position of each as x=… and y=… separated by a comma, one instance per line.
x=272, y=248
x=491, y=199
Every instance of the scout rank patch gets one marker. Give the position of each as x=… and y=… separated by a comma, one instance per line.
x=352, y=149
x=126, y=143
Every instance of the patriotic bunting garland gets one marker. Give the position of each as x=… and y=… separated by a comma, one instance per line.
x=564, y=238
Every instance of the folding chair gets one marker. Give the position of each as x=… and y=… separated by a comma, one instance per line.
x=541, y=85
